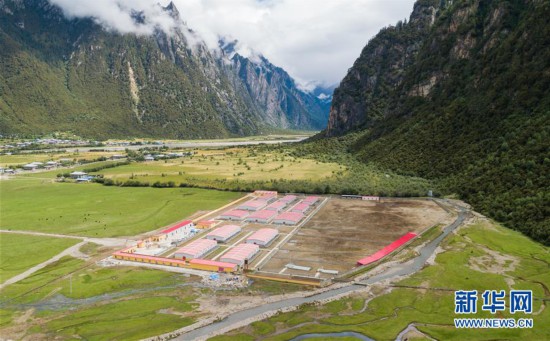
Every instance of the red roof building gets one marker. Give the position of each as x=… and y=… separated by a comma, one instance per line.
x=234, y=215
x=311, y=200
x=387, y=249
x=300, y=207
x=288, y=198
x=288, y=218
x=262, y=237
x=262, y=216
x=253, y=205
x=224, y=233
x=196, y=249
x=277, y=206
x=177, y=228
x=240, y=253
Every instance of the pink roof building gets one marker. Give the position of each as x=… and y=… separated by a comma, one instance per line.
x=240, y=253
x=288, y=198
x=311, y=200
x=277, y=206
x=262, y=237
x=196, y=249
x=253, y=205
x=265, y=194
x=288, y=218
x=387, y=249
x=234, y=215
x=212, y=263
x=300, y=207
x=224, y=233
x=262, y=216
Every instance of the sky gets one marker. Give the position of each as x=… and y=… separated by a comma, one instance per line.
x=316, y=42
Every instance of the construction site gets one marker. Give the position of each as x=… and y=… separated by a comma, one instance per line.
x=303, y=239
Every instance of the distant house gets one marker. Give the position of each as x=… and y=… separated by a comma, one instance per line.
x=117, y=157
x=77, y=174
x=30, y=166
x=85, y=178
x=149, y=158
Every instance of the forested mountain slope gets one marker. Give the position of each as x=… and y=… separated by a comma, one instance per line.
x=460, y=93
x=59, y=74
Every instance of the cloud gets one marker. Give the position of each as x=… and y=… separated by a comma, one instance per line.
x=314, y=41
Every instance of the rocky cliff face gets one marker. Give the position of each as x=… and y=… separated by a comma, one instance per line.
x=58, y=74
x=363, y=95
x=460, y=94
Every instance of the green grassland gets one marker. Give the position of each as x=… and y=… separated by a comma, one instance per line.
x=525, y=265
x=21, y=159
x=21, y=252
x=99, y=211
x=143, y=302
x=230, y=164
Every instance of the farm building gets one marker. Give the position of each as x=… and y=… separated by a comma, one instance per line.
x=276, y=206
x=252, y=205
x=196, y=249
x=240, y=253
x=265, y=194
x=288, y=199
x=224, y=233
x=177, y=229
x=206, y=224
x=211, y=265
x=370, y=198
x=234, y=215
x=262, y=237
x=262, y=216
x=77, y=174
x=288, y=218
x=311, y=200
x=30, y=166
x=300, y=207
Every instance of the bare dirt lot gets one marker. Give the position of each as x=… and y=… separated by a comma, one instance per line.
x=345, y=230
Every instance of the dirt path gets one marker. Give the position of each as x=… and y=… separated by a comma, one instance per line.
x=67, y=252
x=73, y=251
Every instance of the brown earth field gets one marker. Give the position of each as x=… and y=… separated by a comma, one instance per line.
x=346, y=230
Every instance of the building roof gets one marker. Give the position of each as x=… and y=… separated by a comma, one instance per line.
x=277, y=205
x=303, y=206
x=288, y=198
x=241, y=252
x=387, y=249
x=198, y=247
x=225, y=231
x=263, y=214
x=206, y=222
x=253, y=203
x=311, y=199
x=265, y=193
x=291, y=216
x=176, y=226
x=236, y=213
x=78, y=173
x=212, y=262
x=264, y=235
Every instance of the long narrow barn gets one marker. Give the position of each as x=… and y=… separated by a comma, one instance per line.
x=237, y=215
x=240, y=253
x=262, y=237
x=288, y=218
x=196, y=249
x=224, y=233
x=263, y=216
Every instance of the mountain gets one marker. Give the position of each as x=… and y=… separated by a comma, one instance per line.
x=459, y=94
x=60, y=74
x=275, y=93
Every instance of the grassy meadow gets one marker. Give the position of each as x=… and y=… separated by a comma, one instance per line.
x=483, y=256
x=21, y=252
x=230, y=164
x=94, y=210
x=24, y=158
